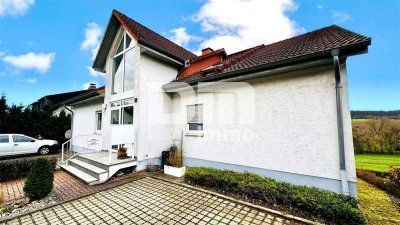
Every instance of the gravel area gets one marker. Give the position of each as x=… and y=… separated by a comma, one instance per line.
x=17, y=207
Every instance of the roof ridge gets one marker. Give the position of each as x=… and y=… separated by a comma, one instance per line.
x=315, y=31
x=145, y=27
x=200, y=57
x=64, y=93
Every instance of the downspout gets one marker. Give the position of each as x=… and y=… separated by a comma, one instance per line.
x=339, y=113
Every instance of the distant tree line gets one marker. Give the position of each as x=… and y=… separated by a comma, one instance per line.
x=394, y=114
x=20, y=120
x=377, y=135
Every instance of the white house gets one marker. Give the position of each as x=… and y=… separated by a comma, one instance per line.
x=279, y=110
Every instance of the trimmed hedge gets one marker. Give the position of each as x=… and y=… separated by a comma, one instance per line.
x=12, y=169
x=39, y=182
x=327, y=205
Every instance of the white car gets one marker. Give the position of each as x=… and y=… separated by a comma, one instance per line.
x=15, y=144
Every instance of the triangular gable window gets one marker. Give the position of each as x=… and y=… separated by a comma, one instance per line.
x=125, y=43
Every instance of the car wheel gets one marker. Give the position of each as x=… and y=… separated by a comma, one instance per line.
x=44, y=150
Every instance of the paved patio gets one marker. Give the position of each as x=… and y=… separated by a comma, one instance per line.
x=152, y=201
x=66, y=187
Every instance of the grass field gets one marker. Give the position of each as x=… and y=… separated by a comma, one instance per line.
x=359, y=120
x=376, y=205
x=375, y=162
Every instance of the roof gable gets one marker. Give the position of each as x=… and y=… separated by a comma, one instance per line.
x=143, y=35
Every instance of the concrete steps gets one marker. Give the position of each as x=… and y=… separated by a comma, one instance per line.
x=80, y=174
x=86, y=171
x=96, y=167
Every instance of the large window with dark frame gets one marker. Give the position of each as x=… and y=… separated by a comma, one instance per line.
x=123, y=66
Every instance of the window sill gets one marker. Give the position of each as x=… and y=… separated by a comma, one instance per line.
x=194, y=134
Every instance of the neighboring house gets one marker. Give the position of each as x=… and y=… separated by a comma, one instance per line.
x=56, y=101
x=279, y=110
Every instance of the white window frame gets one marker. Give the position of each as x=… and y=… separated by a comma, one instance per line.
x=120, y=114
x=97, y=120
x=194, y=132
x=122, y=39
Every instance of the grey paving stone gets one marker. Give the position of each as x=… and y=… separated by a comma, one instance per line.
x=151, y=201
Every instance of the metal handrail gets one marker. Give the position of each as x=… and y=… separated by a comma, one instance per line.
x=68, y=150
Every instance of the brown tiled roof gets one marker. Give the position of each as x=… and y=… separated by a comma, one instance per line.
x=310, y=44
x=200, y=62
x=152, y=39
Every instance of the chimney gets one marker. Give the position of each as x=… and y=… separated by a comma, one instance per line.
x=92, y=86
x=206, y=51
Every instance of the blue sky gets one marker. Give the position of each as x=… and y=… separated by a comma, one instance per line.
x=46, y=46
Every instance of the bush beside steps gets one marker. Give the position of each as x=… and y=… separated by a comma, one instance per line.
x=39, y=182
x=327, y=205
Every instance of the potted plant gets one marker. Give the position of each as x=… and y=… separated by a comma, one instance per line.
x=122, y=153
x=174, y=165
x=151, y=167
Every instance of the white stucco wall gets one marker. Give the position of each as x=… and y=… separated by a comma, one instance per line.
x=153, y=107
x=84, y=124
x=282, y=123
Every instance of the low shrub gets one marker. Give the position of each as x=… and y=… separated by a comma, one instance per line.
x=16, y=168
x=338, y=208
x=372, y=178
x=39, y=182
x=175, y=157
x=394, y=182
x=391, y=184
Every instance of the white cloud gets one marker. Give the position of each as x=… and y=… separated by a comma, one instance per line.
x=15, y=7
x=340, y=17
x=40, y=62
x=28, y=80
x=181, y=37
x=319, y=6
x=246, y=23
x=92, y=38
x=95, y=73
x=86, y=85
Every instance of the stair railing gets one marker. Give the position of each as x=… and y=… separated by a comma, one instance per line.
x=80, y=144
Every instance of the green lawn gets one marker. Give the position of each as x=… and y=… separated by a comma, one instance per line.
x=376, y=162
x=359, y=120
x=376, y=205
